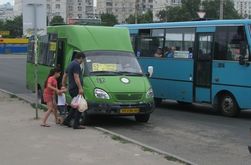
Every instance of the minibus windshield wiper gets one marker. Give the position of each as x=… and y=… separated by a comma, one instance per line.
x=131, y=73
x=104, y=73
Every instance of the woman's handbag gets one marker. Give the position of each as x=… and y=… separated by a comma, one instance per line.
x=79, y=103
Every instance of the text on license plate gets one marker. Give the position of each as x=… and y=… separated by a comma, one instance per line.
x=131, y=110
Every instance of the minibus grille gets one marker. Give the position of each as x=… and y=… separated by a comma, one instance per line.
x=129, y=96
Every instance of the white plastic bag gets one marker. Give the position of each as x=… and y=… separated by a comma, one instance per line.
x=79, y=103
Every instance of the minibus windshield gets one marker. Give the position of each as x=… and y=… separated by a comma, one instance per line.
x=112, y=63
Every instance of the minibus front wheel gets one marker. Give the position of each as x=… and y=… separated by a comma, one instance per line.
x=142, y=118
x=227, y=105
x=85, y=119
x=157, y=101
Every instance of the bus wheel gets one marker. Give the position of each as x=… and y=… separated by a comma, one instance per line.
x=142, y=118
x=85, y=119
x=157, y=101
x=228, y=106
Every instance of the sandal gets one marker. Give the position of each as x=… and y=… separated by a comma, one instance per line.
x=44, y=125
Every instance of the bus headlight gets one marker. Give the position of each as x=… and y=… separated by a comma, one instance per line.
x=149, y=93
x=101, y=94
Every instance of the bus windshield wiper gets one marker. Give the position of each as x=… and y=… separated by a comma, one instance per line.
x=104, y=73
x=131, y=73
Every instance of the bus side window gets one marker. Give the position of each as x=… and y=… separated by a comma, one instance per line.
x=180, y=42
x=230, y=43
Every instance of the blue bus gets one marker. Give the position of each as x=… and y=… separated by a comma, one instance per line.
x=197, y=61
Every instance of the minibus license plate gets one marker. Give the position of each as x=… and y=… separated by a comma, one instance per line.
x=129, y=110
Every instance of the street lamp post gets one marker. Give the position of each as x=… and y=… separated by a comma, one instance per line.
x=35, y=30
x=201, y=13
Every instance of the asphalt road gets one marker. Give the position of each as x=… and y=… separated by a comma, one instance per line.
x=194, y=132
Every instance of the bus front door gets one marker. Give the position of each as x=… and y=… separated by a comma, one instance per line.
x=203, y=67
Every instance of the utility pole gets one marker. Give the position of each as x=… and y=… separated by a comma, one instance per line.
x=35, y=33
x=221, y=8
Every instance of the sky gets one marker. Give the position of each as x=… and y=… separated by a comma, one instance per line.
x=5, y=1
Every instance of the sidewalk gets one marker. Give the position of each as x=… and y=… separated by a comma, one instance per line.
x=24, y=142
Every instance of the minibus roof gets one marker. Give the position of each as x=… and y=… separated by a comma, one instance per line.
x=88, y=38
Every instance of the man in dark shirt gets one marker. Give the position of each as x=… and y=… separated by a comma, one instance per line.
x=75, y=80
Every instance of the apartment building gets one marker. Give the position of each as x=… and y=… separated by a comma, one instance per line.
x=122, y=9
x=6, y=11
x=65, y=8
x=56, y=8
x=80, y=9
x=159, y=5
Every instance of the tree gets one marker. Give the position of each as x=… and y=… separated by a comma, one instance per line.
x=108, y=19
x=212, y=9
x=57, y=20
x=146, y=17
x=171, y=14
x=15, y=26
x=189, y=8
x=186, y=12
x=1, y=25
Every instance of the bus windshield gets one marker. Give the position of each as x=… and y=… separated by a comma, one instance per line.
x=112, y=63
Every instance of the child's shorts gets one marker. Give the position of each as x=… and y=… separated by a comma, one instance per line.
x=62, y=110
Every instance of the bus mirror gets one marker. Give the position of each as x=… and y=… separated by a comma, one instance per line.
x=150, y=71
x=243, y=61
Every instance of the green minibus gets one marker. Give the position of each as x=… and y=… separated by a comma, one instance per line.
x=114, y=83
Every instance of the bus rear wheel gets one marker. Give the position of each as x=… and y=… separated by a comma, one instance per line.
x=142, y=118
x=228, y=106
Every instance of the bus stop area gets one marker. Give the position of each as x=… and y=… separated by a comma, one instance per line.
x=23, y=141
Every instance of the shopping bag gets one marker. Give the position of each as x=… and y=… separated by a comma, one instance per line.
x=82, y=104
x=79, y=103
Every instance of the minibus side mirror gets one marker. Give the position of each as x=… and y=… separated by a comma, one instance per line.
x=150, y=71
x=243, y=61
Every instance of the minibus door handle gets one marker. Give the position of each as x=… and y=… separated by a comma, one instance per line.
x=217, y=79
x=190, y=77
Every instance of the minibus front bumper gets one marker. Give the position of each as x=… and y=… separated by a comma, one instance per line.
x=120, y=109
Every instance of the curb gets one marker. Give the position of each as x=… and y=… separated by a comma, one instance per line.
x=167, y=155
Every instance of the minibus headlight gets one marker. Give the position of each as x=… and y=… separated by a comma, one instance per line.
x=149, y=93
x=101, y=94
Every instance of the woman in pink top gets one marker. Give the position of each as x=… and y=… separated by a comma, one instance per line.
x=50, y=89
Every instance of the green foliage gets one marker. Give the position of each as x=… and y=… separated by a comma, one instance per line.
x=57, y=20
x=142, y=18
x=15, y=26
x=212, y=9
x=189, y=8
x=108, y=19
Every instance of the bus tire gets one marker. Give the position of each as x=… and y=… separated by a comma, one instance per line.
x=227, y=105
x=157, y=101
x=142, y=118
